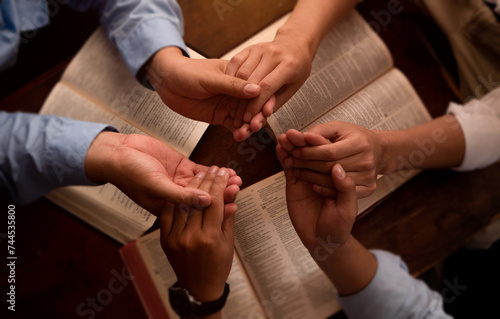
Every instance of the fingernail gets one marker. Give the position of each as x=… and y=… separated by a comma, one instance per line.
x=201, y=201
x=222, y=172
x=213, y=169
x=339, y=171
x=248, y=117
x=251, y=88
x=200, y=175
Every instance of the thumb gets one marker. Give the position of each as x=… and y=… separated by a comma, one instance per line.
x=329, y=130
x=232, y=86
x=346, y=191
x=192, y=197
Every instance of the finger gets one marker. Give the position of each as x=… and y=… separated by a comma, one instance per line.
x=214, y=215
x=287, y=145
x=229, y=210
x=329, y=130
x=231, y=86
x=346, y=188
x=177, y=194
x=257, y=122
x=267, y=64
x=331, y=152
x=269, y=107
x=268, y=87
x=284, y=94
x=182, y=211
x=313, y=177
x=166, y=220
x=325, y=191
x=234, y=179
x=248, y=67
x=196, y=217
x=314, y=139
x=361, y=190
x=236, y=62
x=228, y=222
x=240, y=111
x=324, y=167
x=230, y=193
x=296, y=138
x=242, y=133
x=282, y=154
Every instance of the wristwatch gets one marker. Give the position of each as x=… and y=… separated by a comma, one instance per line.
x=186, y=306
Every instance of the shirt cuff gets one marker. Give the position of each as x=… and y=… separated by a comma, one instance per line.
x=145, y=40
x=67, y=149
x=480, y=123
x=393, y=293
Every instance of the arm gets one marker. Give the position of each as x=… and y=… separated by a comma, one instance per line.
x=467, y=138
x=369, y=285
x=40, y=153
x=148, y=35
x=281, y=67
x=199, y=244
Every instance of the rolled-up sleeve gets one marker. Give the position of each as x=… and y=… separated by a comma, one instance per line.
x=139, y=28
x=39, y=153
x=393, y=293
x=480, y=122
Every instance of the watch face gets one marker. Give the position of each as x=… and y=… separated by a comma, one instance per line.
x=179, y=300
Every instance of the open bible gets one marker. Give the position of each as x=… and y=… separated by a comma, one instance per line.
x=98, y=87
x=273, y=274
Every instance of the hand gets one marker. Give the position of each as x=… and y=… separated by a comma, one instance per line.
x=313, y=154
x=148, y=171
x=279, y=67
x=322, y=223
x=199, y=243
x=198, y=88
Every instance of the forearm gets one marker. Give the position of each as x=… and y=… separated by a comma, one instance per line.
x=138, y=28
x=350, y=268
x=439, y=143
x=311, y=20
x=39, y=153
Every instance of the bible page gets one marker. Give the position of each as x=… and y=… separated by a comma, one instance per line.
x=104, y=207
x=350, y=56
x=98, y=73
x=242, y=301
x=288, y=281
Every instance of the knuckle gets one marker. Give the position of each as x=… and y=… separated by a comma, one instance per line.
x=330, y=153
x=265, y=85
x=243, y=73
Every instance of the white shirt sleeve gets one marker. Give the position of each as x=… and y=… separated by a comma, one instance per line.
x=480, y=122
x=393, y=293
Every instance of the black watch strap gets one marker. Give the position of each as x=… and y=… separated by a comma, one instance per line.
x=186, y=306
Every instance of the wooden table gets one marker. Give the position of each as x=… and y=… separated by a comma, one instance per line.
x=64, y=264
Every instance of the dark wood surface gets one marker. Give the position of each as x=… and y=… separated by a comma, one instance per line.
x=63, y=263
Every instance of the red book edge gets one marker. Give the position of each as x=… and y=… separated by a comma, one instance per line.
x=143, y=282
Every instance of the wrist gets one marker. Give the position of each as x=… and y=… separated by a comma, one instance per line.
x=98, y=159
x=204, y=294
x=162, y=64
x=289, y=33
x=388, y=148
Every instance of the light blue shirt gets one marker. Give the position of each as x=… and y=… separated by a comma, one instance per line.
x=393, y=293
x=137, y=28
x=40, y=153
